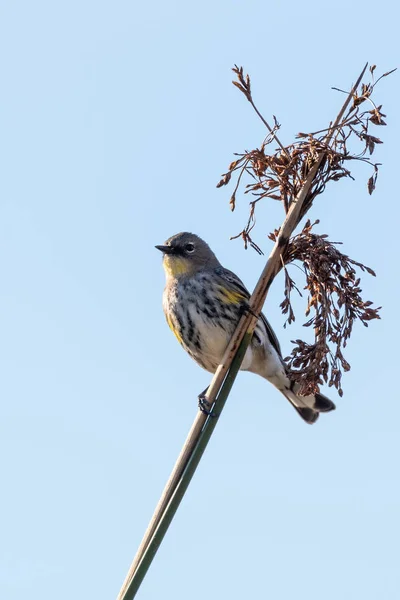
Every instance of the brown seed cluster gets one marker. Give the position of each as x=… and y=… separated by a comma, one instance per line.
x=334, y=302
x=334, y=293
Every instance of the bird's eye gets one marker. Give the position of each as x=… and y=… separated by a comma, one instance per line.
x=189, y=247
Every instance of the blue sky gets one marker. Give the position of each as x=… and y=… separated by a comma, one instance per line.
x=117, y=120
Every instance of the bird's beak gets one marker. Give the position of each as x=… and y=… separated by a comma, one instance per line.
x=165, y=249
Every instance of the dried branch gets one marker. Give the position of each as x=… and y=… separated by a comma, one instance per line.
x=280, y=175
x=244, y=85
x=218, y=389
x=334, y=294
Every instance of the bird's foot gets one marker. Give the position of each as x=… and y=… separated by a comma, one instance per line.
x=205, y=406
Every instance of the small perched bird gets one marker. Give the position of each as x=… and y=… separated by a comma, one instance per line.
x=203, y=303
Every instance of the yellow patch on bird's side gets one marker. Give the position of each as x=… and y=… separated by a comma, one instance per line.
x=175, y=265
x=231, y=297
x=174, y=329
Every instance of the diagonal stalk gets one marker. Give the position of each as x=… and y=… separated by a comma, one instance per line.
x=217, y=393
x=187, y=475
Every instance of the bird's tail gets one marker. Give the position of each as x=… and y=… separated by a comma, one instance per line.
x=309, y=407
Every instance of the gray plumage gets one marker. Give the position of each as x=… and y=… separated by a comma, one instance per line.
x=203, y=302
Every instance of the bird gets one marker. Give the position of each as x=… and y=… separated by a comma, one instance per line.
x=203, y=302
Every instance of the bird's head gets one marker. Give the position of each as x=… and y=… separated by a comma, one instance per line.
x=185, y=254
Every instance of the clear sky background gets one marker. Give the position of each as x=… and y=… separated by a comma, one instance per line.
x=117, y=119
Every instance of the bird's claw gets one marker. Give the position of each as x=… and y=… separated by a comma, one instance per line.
x=205, y=406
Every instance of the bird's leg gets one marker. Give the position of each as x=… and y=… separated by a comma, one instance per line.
x=204, y=405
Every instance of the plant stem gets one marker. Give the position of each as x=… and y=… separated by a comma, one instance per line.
x=220, y=385
x=129, y=592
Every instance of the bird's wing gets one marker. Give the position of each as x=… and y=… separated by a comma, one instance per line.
x=243, y=296
x=272, y=335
